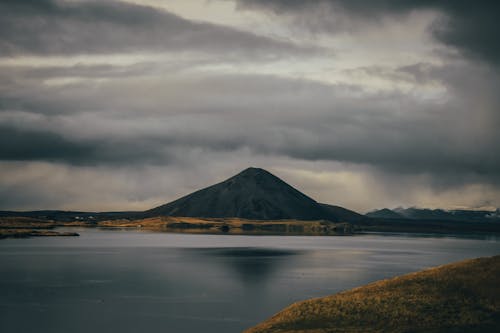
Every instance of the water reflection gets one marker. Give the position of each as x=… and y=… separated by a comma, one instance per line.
x=248, y=252
x=477, y=236
x=252, y=266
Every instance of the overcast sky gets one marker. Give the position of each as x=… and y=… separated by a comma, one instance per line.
x=125, y=105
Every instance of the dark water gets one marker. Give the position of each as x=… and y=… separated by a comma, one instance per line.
x=127, y=281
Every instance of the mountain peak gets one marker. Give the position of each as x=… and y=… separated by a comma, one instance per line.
x=255, y=175
x=254, y=193
x=253, y=172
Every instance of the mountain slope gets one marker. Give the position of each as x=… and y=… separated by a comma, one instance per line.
x=341, y=214
x=252, y=194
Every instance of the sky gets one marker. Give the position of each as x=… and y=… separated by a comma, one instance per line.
x=129, y=104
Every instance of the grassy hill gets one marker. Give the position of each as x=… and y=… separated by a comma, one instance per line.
x=459, y=297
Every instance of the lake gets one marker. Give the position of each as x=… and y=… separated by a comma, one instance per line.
x=136, y=281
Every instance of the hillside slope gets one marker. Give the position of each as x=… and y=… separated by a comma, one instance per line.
x=459, y=297
x=341, y=214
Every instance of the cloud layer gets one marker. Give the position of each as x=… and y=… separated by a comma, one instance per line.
x=114, y=105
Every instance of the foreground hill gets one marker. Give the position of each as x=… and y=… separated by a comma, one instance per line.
x=255, y=194
x=459, y=297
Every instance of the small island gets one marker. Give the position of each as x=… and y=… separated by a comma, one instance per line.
x=24, y=227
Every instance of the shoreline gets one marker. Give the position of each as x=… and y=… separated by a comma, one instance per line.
x=27, y=227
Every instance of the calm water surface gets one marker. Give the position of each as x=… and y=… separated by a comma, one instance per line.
x=130, y=281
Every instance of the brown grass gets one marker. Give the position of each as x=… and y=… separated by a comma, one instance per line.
x=459, y=297
x=20, y=222
x=232, y=226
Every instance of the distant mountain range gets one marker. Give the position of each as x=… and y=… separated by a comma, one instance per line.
x=436, y=214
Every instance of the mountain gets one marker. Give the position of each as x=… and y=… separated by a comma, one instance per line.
x=449, y=215
x=255, y=194
x=424, y=213
x=385, y=213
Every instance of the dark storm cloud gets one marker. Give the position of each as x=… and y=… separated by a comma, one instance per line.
x=470, y=26
x=22, y=144
x=16, y=144
x=51, y=27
